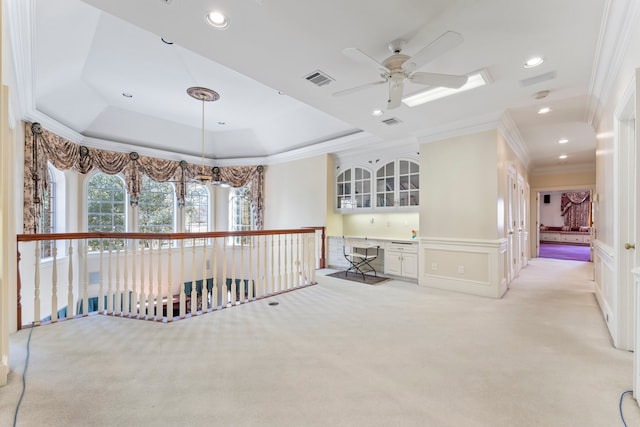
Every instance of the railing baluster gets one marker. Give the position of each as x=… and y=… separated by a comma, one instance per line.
x=70, y=280
x=109, y=279
x=243, y=275
x=194, y=294
x=54, y=284
x=126, y=299
x=204, y=294
x=150, y=296
x=225, y=289
x=280, y=288
x=183, y=310
x=159, y=298
x=36, y=293
x=118, y=293
x=143, y=298
x=234, y=288
x=250, y=285
x=273, y=266
x=85, y=285
x=258, y=269
x=101, y=285
x=214, y=269
x=169, y=282
x=133, y=304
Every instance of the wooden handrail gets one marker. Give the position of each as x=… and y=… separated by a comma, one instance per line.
x=160, y=236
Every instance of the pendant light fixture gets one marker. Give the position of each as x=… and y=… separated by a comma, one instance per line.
x=203, y=94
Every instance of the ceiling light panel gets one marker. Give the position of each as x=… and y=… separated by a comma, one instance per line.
x=217, y=20
x=475, y=80
x=533, y=62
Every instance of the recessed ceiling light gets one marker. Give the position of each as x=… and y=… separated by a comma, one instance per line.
x=562, y=156
x=217, y=20
x=377, y=112
x=127, y=95
x=563, y=141
x=474, y=81
x=544, y=110
x=533, y=62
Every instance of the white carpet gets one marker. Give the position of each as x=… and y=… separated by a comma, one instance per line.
x=339, y=354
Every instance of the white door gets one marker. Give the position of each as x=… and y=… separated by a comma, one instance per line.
x=626, y=217
x=510, y=224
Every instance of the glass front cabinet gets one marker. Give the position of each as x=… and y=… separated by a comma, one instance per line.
x=393, y=185
x=354, y=189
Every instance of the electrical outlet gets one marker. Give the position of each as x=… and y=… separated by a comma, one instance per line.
x=434, y=266
x=461, y=269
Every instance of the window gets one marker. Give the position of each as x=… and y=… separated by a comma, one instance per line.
x=196, y=210
x=47, y=217
x=106, y=207
x=241, y=213
x=156, y=207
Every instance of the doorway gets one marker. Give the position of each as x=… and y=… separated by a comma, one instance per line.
x=565, y=224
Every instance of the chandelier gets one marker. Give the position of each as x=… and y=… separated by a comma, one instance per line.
x=203, y=94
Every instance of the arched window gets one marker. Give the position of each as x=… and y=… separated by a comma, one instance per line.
x=156, y=207
x=106, y=206
x=240, y=213
x=196, y=210
x=48, y=215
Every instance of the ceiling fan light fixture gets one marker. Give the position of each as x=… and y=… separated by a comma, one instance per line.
x=217, y=20
x=563, y=141
x=562, y=156
x=544, y=110
x=474, y=81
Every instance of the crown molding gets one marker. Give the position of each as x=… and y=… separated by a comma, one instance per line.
x=618, y=22
x=554, y=170
x=20, y=20
x=510, y=132
x=476, y=124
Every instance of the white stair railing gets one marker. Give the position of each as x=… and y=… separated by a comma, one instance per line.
x=138, y=275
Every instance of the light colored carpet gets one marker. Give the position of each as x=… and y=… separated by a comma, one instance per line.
x=339, y=354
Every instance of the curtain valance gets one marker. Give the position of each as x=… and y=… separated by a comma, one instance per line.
x=42, y=146
x=575, y=208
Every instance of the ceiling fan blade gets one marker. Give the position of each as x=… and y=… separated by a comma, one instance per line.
x=442, y=44
x=395, y=95
x=439, y=80
x=357, y=88
x=361, y=57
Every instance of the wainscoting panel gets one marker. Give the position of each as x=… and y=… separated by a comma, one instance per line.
x=604, y=284
x=470, y=266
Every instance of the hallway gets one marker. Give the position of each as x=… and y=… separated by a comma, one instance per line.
x=343, y=354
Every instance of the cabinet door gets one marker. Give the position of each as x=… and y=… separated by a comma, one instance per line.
x=408, y=183
x=410, y=265
x=385, y=185
x=393, y=263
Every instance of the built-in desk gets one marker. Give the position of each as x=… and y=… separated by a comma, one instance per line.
x=396, y=257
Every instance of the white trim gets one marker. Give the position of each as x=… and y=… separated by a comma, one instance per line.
x=619, y=19
x=510, y=132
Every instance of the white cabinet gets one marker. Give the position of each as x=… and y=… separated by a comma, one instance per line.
x=353, y=189
x=394, y=185
x=401, y=259
x=398, y=184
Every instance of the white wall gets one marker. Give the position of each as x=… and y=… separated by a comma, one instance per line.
x=550, y=212
x=295, y=193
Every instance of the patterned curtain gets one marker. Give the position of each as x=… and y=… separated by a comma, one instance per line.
x=575, y=208
x=42, y=146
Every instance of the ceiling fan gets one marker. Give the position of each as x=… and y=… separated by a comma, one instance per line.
x=400, y=67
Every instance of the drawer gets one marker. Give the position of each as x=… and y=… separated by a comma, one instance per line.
x=402, y=247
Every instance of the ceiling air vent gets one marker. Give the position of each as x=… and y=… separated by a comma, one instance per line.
x=319, y=78
x=538, y=79
x=392, y=121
